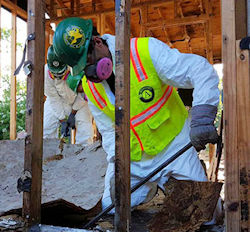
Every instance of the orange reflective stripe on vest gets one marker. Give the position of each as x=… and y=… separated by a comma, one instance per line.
x=148, y=113
x=66, y=76
x=136, y=61
x=51, y=75
x=97, y=96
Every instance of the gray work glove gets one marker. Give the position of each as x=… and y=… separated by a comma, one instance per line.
x=64, y=129
x=71, y=121
x=202, y=126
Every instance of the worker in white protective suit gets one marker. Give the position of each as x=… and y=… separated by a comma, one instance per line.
x=160, y=124
x=63, y=106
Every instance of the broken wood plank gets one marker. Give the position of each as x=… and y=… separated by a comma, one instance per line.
x=187, y=204
x=34, y=112
x=122, y=115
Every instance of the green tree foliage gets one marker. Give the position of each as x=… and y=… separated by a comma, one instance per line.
x=5, y=108
x=5, y=96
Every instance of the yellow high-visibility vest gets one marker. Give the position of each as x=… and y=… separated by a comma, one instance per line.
x=157, y=114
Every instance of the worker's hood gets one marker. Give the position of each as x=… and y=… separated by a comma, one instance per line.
x=110, y=39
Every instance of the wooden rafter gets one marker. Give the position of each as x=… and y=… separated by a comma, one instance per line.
x=11, y=6
x=187, y=37
x=143, y=13
x=64, y=8
x=208, y=32
x=178, y=21
x=165, y=29
x=52, y=9
x=110, y=26
x=112, y=9
x=72, y=7
x=77, y=6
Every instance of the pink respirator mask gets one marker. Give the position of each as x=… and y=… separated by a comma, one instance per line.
x=99, y=71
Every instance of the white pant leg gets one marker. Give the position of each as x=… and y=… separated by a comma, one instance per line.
x=137, y=197
x=186, y=167
x=50, y=122
x=84, y=128
x=106, y=199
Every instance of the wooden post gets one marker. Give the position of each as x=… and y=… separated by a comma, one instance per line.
x=47, y=39
x=34, y=115
x=13, y=78
x=243, y=127
x=122, y=116
x=230, y=112
x=236, y=109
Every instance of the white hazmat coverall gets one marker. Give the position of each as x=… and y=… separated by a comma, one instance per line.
x=60, y=101
x=175, y=69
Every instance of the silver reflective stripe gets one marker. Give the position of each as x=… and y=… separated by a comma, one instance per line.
x=91, y=85
x=136, y=59
x=151, y=111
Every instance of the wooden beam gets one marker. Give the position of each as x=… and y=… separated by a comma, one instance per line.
x=13, y=78
x=189, y=20
x=72, y=7
x=11, y=6
x=64, y=8
x=52, y=13
x=77, y=7
x=187, y=37
x=101, y=23
x=94, y=13
x=122, y=116
x=143, y=11
x=243, y=127
x=208, y=32
x=232, y=211
x=109, y=24
x=165, y=29
x=34, y=112
x=241, y=22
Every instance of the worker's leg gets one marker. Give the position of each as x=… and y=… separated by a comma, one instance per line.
x=50, y=122
x=84, y=127
x=141, y=195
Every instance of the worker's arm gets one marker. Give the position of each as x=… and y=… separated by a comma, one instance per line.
x=50, y=92
x=185, y=71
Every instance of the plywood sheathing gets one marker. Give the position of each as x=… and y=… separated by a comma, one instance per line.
x=74, y=174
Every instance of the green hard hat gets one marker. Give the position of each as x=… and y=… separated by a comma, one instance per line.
x=71, y=41
x=73, y=81
x=55, y=65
